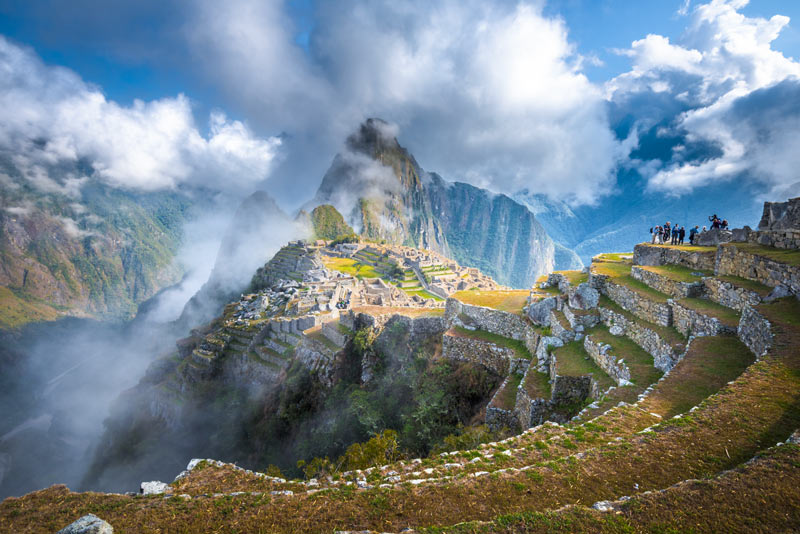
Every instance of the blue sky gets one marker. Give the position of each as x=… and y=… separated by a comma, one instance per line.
x=557, y=97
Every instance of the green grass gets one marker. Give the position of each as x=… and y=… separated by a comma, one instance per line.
x=574, y=278
x=508, y=396
x=744, y=283
x=351, y=267
x=424, y=294
x=726, y=316
x=638, y=361
x=787, y=256
x=508, y=301
x=686, y=248
x=519, y=348
x=615, y=257
x=711, y=362
x=678, y=273
x=572, y=360
x=537, y=384
x=620, y=273
x=668, y=334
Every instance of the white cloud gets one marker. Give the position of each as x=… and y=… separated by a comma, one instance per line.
x=489, y=94
x=48, y=115
x=720, y=66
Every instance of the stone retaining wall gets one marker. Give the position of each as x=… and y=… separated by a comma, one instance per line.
x=787, y=239
x=755, y=331
x=664, y=355
x=667, y=285
x=497, y=418
x=732, y=261
x=651, y=311
x=646, y=254
x=498, y=322
x=729, y=295
x=601, y=354
x=331, y=331
x=580, y=321
x=543, y=355
x=558, y=330
x=691, y=323
x=497, y=359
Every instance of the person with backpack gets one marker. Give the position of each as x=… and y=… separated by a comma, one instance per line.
x=675, y=235
x=681, y=235
x=693, y=233
x=665, y=233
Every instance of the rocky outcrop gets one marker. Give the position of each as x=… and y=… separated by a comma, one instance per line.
x=583, y=297
x=88, y=524
x=539, y=311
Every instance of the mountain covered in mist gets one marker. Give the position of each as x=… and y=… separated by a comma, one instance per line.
x=90, y=251
x=385, y=194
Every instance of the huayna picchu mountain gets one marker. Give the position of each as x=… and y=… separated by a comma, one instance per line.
x=656, y=391
x=385, y=194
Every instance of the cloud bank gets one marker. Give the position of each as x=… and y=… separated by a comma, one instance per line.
x=49, y=115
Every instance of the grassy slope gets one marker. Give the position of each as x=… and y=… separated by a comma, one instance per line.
x=509, y=301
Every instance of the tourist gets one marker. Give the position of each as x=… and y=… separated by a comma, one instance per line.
x=665, y=233
x=725, y=224
x=693, y=233
x=675, y=235
x=653, y=230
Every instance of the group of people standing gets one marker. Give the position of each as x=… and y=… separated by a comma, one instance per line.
x=674, y=235
x=668, y=234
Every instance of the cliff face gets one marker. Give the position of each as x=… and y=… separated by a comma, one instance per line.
x=386, y=195
x=97, y=254
x=491, y=232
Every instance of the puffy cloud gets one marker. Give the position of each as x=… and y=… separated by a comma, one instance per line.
x=493, y=95
x=726, y=77
x=48, y=115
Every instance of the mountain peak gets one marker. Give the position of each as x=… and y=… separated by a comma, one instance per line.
x=373, y=137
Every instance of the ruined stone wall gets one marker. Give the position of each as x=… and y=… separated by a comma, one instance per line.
x=732, y=261
x=727, y=294
x=559, y=330
x=668, y=286
x=613, y=366
x=331, y=331
x=497, y=359
x=502, y=323
x=664, y=355
x=691, y=323
x=654, y=312
x=787, y=239
x=497, y=417
x=646, y=254
x=755, y=331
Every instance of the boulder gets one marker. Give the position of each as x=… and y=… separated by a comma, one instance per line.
x=741, y=235
x=88, y=524
x=539, y=311
x=616, y=330
x=713, y=237
x=153, y=488
x=778, y=293
x=583, y=297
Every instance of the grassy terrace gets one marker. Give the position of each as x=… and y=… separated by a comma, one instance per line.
x=537, y=384
x=744, y=283
x=316, y=335
x=668, y=334
x=519, y=348
x=678, y=273
x=787, y=256
x=620, y=273
x=726, y=316
x=761, y=407
x=562, y=319
x=424, y=294
x=509, y=301
x=575, y=278
x=685, y=248
x=508, y=395
x=710, y=363
x=572, y=360
x=638, y=361
x=351, y=267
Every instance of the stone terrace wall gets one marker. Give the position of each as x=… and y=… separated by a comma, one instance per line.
x=498, y=359
x=755, y=331
x=729, y=295
x=731, y=260
x=497, y=322
x=654, y=312
x=615, y=368
x=691, y=323
x=496, y=417
x=645, y=254
x=664, y=355
x=668, y=286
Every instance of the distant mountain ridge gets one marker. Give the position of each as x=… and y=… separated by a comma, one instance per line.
x=386, y=195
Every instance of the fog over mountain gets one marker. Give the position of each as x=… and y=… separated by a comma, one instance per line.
x=154, y=154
